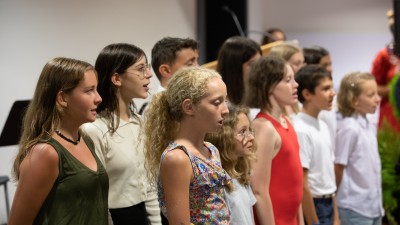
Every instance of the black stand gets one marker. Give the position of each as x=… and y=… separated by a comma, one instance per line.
x=12, y=128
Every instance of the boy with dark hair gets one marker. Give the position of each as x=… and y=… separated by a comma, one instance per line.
x=170, y=54
x=316, y=93
x=318, y=55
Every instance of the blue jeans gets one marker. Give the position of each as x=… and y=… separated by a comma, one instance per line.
x=349, y=217
x=324, y=209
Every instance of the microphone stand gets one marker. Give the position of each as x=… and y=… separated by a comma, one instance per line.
x=239, y=27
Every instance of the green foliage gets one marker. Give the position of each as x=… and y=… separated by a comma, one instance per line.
x=389, y=150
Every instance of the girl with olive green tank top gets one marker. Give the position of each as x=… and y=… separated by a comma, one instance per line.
x=77, y=187
x=60, y=179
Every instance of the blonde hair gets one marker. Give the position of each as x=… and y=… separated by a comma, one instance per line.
x=350, y=88
x=225, y=141
x=43, y=115
x=164, y=113
x=284, y=51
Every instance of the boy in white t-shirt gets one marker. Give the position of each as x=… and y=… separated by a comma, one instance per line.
x=316, y=93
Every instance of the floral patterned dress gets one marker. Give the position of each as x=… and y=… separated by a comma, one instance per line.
x=206, y=192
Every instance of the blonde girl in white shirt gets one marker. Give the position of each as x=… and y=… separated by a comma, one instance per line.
x=357, y=160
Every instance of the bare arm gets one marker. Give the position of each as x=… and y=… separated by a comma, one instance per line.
x=383, y=90
x=310, y=213
x=265, y=137
x=336, y=218
x=176, y=174
x=338, y=174
x=38, y=172
x=300, y=216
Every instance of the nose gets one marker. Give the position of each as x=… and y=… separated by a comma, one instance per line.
x=378, y=98
x=250, y=137
x=329, y=68
x=97, y=99
x=148, y=73
x=295, y=84
x=333, y=93
x=225, y=110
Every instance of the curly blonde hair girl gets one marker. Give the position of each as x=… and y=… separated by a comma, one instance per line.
x=165, y=112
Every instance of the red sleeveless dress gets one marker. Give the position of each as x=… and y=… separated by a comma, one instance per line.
x=286, y=183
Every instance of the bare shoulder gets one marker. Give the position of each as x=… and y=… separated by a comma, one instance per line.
x=41, y=155
x=44, y=152
x=177, y=166
x=176, y=158
x=267, y=137
x=263, y=126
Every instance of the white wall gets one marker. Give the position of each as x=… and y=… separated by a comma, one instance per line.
x=32, y=32
x=353, y=31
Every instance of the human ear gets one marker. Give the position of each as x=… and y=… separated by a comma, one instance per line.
x=61, y=99
x=116, y=79
x=188, y=107
x=306, y=94
x=355, y=103
x=165, y=71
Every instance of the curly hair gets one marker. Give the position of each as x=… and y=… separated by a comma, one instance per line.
x=164, y=113
x=238, y=168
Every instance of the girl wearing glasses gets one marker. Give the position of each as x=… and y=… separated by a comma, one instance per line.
x=187, y=170
x=124, y=74
x=237, y=148
x=277, y=179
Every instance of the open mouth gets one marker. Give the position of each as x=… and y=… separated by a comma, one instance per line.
x=146, y=86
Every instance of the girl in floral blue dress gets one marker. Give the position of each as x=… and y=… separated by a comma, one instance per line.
x=187, y=170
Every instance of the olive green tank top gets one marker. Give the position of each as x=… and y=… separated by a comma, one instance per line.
x=79, y=195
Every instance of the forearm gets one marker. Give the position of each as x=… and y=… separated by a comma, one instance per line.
x=309, y=211
x=264, y=210
x=300, y=217
x=336, y=218
x=383, y=90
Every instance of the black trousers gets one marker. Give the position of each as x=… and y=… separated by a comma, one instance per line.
x=133, y=215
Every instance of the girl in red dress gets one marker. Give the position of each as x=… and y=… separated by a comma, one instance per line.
x=277, y=173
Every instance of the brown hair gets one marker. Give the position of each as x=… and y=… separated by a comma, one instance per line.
x=43, y=115
x=265, y=74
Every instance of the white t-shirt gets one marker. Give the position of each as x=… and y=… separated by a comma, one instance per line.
x=240, y=204
x=316, y=153
x=357, y=149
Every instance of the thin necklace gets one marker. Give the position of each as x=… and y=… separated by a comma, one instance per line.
x=67, y=139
